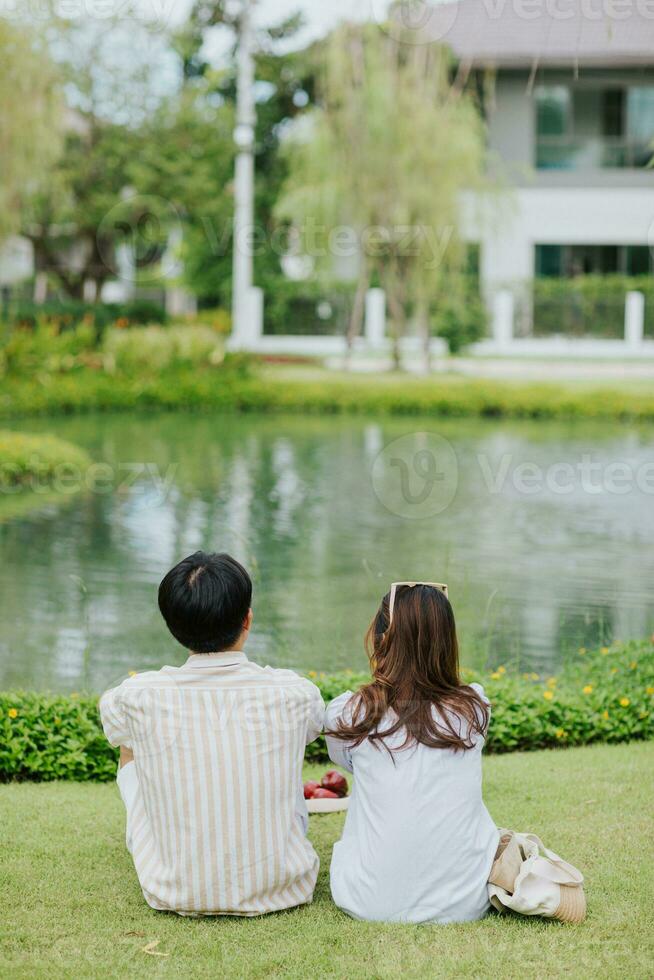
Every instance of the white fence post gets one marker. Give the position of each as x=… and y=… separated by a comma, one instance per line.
x=251, y=332
x=503, y=315
x=375, y=325
x=634, y=319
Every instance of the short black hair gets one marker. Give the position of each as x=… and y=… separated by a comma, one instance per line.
x=205, y=600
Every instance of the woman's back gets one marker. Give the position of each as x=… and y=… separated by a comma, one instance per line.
x=418, y=842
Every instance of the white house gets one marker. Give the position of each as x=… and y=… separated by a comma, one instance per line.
x=569, y=102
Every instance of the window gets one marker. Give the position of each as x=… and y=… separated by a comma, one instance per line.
x=553, y=108
x=567, y=261
x=589, y=127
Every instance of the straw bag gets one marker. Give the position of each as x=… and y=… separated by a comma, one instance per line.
x=532, y=880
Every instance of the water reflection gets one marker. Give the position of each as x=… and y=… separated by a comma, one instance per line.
x=533, y=574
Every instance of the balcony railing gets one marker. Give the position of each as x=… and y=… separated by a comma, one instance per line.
x=594, y=154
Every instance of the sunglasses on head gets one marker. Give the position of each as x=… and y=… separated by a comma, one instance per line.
x=411, y=585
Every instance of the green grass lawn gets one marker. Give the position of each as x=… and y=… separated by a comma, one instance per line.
x=72, y=906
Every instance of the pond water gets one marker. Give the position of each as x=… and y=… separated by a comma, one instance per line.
x=544, y=532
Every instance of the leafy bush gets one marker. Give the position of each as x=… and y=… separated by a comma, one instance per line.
x=48, y=349
x=308, y=308
x=588, y=305
x=218, y=319
x=144, y=350
x=29, y=459
x=147, y=351
x=604, y=696
x=461, y=321
x=68, y=314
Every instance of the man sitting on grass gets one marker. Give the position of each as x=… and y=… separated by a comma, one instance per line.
x=211, y=758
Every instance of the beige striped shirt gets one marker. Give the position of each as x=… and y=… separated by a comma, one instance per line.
x=218, y=824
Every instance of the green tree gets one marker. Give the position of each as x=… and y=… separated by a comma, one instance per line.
x=387, y=152
x=70, y=216
x=31, y=104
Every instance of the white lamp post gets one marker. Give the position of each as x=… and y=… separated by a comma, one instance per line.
x=246, y=302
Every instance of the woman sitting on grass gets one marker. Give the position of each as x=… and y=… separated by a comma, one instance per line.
x=418, y=842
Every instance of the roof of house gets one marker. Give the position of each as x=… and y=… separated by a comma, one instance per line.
x=517, y=33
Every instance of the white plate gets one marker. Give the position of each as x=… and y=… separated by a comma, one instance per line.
x=328, y=805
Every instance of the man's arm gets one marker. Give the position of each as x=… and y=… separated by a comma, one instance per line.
x=316, y=714
x=114, y=720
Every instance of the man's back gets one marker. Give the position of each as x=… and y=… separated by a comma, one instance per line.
x=216, y=819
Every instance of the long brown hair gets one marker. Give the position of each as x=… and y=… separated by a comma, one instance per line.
x=415, y=668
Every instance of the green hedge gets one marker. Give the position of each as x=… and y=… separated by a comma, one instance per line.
x=588, y=305
x=67, y=314
x=603, y=696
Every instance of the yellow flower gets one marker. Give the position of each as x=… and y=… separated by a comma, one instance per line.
x=650, y=690
x=501, y=670
x=551, y=681
x=588, y=689
x=605, y=650
x=582, y=651
x=625, y=702
x=561, y=733
x=13, y=713
x=548, y=695
x=605, y=715
x=633, y=665
x=535, y=677
x=614, y=670
x=313, y=673
x=496, y=676
x=132, y=673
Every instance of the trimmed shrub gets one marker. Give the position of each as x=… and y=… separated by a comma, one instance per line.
x=588, y=305
x=603, y=696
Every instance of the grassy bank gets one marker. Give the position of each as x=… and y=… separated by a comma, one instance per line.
x=38, y=462
x=73, y=906
x=606, y=695
x=313, y=390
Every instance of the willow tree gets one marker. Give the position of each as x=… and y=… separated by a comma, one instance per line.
x=29, y=120
x=384, y=158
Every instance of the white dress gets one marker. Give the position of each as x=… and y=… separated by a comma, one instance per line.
x=418, y=842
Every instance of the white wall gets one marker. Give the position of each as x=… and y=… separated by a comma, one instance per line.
x=16, y=261
x=558, y=216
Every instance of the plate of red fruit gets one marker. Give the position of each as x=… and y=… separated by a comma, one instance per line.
x=329, y=795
